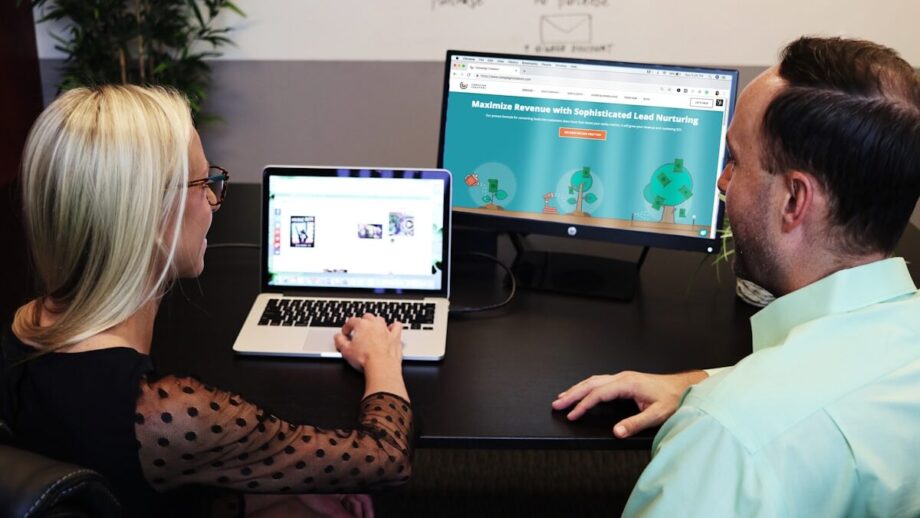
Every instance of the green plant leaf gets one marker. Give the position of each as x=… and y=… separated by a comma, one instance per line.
x=235, y=9
x=157, y=36
x=60, y=39
x=194, y=5
x=590, y=198
x=571, y=201
x=486, y=199
x=501, y=195
x=208, y=119
x=52, y=14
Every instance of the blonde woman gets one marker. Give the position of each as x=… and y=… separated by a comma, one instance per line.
x=118, y=197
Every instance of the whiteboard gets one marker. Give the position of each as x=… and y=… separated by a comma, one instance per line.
x=705, y=32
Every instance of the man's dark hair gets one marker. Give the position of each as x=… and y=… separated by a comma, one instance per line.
x=850, y=116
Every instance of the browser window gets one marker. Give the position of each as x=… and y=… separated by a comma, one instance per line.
x=626, y=146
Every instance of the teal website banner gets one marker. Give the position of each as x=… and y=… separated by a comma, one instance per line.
x=613, y=162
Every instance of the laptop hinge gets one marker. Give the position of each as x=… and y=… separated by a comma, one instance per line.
x=340, y=295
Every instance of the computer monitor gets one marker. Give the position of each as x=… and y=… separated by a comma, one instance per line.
x=613, y=151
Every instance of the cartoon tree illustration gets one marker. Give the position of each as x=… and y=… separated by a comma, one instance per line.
x=579, y=185
x=669, y=186
x=493, y=194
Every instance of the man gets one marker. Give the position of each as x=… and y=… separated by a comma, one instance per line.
x=823, y=419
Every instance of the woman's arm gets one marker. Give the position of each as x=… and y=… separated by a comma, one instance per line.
x=190, y=433
x=371, y=346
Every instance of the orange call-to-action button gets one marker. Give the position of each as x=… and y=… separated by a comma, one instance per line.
x=583, y=133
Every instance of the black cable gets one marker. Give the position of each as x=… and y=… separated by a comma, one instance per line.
x=489, y=307
x=234, y=245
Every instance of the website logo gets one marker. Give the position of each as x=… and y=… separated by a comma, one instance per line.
x=464, y=86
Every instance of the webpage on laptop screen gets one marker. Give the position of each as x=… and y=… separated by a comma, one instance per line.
x=349, y=232
x=631, y=147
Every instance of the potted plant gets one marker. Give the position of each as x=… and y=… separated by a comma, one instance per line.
x=748, y=291
x=156, y=42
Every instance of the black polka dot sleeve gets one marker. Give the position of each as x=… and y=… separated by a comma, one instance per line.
x=191, y=433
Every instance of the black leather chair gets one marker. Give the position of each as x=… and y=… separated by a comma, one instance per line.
x=35, y=486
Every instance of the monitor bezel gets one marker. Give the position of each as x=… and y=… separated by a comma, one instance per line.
x=595, y=233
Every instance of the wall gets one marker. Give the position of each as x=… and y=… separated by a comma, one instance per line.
x=322, y=112
x=716, y=32
x=359, y=82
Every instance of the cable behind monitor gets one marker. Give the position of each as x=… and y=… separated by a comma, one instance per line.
x=488, y=307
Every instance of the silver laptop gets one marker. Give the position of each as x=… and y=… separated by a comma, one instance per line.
x=338, y=242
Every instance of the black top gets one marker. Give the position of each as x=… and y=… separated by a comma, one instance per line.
x=159, y=440
x=79, y=408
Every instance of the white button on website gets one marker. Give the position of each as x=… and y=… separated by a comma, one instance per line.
x=701, y=103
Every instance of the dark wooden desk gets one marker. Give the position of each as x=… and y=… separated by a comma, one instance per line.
x=502, y=368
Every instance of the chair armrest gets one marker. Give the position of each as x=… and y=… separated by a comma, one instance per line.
x=32, y=485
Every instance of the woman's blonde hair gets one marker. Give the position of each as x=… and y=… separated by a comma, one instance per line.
x=104, y=182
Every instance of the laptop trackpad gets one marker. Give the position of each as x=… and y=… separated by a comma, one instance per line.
x=320, y=340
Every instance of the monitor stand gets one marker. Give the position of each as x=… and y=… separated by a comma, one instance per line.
x=575, y=274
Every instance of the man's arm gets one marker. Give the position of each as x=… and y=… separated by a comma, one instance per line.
x=699, y=468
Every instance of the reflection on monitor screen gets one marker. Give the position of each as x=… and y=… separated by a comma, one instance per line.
x=622, y=152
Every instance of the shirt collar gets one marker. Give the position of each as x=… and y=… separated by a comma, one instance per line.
x=840, y=292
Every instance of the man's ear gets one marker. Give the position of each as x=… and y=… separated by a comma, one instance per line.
x=799, y=190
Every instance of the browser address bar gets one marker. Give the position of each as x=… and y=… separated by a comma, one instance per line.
x=601, y=75
x=623, y=77
x=499, y=69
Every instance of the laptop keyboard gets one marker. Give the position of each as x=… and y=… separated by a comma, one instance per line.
x=333, y=313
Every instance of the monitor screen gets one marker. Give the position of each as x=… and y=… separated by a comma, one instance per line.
x=623, y=152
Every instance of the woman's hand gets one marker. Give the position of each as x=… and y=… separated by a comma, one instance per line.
x=369, y=339
x=372, y=347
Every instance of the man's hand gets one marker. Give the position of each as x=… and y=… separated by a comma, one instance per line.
x=339, y=506
x=657, y=395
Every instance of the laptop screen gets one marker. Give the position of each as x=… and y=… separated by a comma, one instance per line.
x=385, y=231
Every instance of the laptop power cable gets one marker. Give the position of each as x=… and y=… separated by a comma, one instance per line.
x=488, y=307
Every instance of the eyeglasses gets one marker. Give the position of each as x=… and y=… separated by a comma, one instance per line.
x=216, y=181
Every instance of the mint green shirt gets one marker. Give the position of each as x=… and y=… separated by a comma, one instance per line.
x=823, y=419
